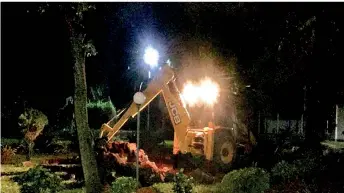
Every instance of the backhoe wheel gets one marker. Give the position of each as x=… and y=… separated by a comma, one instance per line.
x=224, y=151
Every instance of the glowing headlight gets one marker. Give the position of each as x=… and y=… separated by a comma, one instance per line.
x=210, y=91
x=206, y=92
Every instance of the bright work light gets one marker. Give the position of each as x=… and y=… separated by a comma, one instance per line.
x=151, y=57
x=206, y=92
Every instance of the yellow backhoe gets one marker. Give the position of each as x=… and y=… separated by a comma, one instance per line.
x=215, y=143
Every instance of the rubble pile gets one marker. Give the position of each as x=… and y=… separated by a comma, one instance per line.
x=122, y=154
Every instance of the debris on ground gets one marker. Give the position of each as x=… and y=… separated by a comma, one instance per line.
x=124, y=154
x=28, y=164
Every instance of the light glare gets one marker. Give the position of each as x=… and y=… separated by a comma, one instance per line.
x=190, y=94
x=151, y=57
x=206, y=92
x=209, y=91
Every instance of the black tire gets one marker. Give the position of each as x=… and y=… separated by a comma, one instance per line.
x=224, y=150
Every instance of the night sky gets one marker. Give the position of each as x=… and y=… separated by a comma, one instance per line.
x=37, y=65
x=36, y=50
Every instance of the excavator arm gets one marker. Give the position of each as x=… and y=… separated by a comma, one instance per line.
x=164, y=83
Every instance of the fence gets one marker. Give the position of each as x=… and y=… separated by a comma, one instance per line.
x=274, y=125
x=338, y=133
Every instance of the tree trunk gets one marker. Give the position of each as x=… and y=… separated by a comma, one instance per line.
x=29, y=154
x=88, y=159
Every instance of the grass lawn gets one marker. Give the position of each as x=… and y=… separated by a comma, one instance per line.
x=9, y=168
x=333, y=144
x=198, y=188
x=8, y=186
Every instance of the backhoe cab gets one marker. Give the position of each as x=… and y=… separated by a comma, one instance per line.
x=198, y=136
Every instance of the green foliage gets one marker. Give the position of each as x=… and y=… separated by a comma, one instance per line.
x=80, y=190
x=7, y=154
x=38, y=180
x=124, y=185
x=100, y=108
x=284, y=172
x=246, y=180
x=32, y=122
x=299, y=169
x=100, y=112
x=306, y=166
x=149, y=177
x=293, y=186
x=7, y=185
x=101, y=105
x=61, y=146
x=168, y=188
x=198, y=161
x=182, y=183
x=163, y=187
x=10, y=142
x=200, y=188
x=90, y=49
x=97, y=93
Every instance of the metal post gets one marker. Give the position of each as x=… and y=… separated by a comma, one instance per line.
x=139, y=99
x=326, y=127
x=336, y=130
x=303, y=111
x=301, y=125
x=148, y=115
x=148, y=106
x=259, y=122
x=137, y=143
x=277, y=122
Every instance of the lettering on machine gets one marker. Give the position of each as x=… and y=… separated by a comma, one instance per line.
x=174, y=112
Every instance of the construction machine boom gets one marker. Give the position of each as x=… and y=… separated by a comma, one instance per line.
x=164, y=83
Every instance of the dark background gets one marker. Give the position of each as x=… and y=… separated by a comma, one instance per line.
x=37, y=66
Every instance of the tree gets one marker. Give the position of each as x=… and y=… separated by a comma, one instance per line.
x=82, y=48
x=74, y=15
x=33, y=122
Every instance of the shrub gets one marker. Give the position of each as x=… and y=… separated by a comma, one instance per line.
x=163, y=187
x=60, y=146
x=38, y=180
x=182, y=183
x=169, y=177
x=291, y=187
x=284, y=172
x=7, y=154
x=168, y=188
x=299, y=169
x=245, y=180
x=200, y=188
x=32, y=122
x=100, y=112
x=54, y=145
x=197, y=161
x=306, y=166
x=149, y=177
x=124, y=185
x=10, y=142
